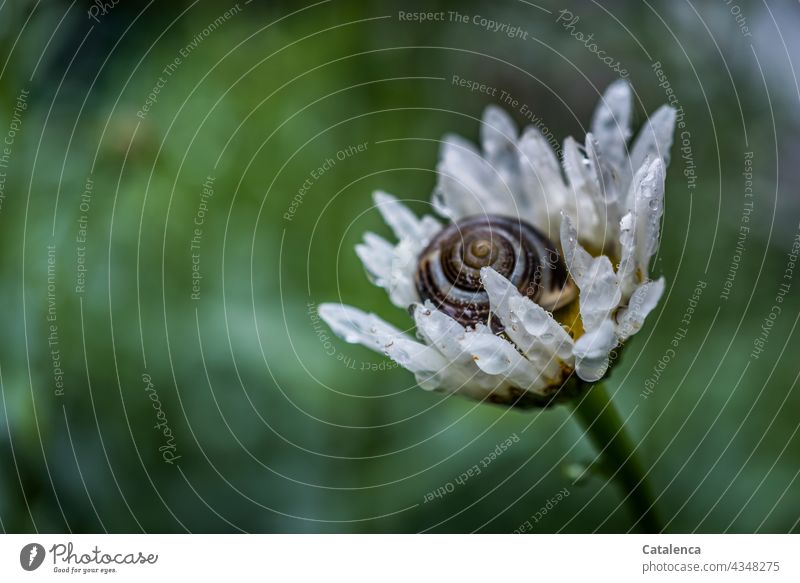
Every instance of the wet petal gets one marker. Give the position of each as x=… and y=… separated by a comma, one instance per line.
x=577, y=169
x=532, y=328
x=586, y=196
x=640, y=228
x=592, y=351
x=654, y=139
x=402, y=221
x=611, y=124
x=498, y=357
x=599, y=287
x=577, y=259
x=541, y=325
x=601, y=294
x=446, y=335
x=542, y=181
x=642, y=302
x=440, y=330
x=606, y=199
x=498, y=136
x=499, y=140
x=391, y=267
x=467, y=184
x=376, y=254
x=357, y=327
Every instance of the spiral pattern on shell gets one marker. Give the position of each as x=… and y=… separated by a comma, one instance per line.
x=449, y=268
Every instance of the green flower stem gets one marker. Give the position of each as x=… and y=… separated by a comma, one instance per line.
x=596, y=413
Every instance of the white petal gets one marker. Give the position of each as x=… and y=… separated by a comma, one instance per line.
x=599, y=287
x=467, y=184
x=626, y=272
x=643, y=301
x=357, y=327
x=499, y=140
x=402, y=221
x=577, y=259
x=584, y=192
x=542, y=181
x=540, y=324
x=577, y=170
x=498, y=136
x=500, y=292
x=654, y=139
x=351, y=324
x=592, y=350
x=498, y=357
x=601, y=294
x=402, y=287
x=606, y=200
x=639, y=229
x=532, y=328
x=611, y=124
x=376, y=254
x=392, y=268
x=446, y=335
x=440, y=330
x=432, y=369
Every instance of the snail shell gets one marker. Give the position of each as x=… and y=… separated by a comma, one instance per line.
x=449, y=271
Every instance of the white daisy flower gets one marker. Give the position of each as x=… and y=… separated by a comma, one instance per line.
x=542, y=270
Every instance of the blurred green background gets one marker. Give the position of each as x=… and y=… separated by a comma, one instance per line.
x=278, y=425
